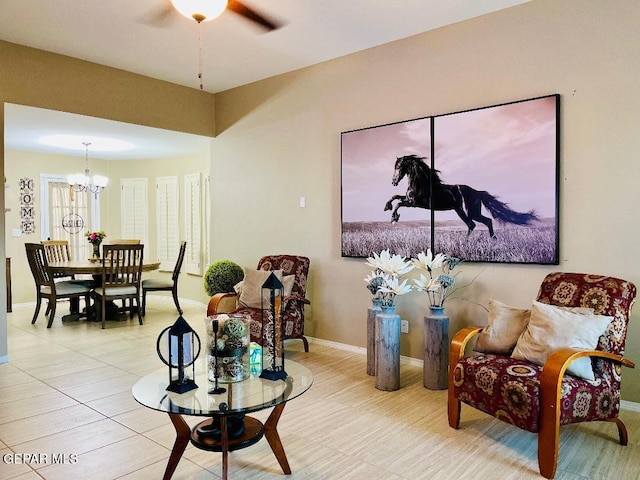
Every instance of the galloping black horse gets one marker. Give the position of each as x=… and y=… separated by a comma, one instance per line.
x=449, y=197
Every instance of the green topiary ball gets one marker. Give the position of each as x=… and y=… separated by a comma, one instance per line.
x=222, y=276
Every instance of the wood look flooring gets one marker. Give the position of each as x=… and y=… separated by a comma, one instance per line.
x=67, y=390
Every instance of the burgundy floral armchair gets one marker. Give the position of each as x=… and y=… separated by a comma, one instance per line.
x=542, y=398
x=294, y=303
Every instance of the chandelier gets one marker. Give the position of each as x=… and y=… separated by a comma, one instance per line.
x=84, y=182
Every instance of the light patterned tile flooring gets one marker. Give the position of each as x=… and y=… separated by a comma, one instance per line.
x=67, y=391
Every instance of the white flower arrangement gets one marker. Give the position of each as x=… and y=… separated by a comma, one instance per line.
x=437, y=286
x=384, y=281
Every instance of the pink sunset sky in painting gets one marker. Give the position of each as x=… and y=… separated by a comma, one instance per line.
x=507, y=150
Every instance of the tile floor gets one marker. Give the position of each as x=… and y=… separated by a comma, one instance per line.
x=66, y=392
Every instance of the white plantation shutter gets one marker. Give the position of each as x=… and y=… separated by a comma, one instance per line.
x=206, y=222
x=192, y=223
x=134, y=205
x=167, y=214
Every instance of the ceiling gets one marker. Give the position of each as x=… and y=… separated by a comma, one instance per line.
x=118, y=33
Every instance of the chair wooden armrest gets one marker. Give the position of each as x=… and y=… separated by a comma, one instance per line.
x=550, y=388
x=459, y=344
x=222, y=303
x=456, y=352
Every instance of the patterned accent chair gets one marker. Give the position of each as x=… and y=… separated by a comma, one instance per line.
x=541, y=399
x=293, y=311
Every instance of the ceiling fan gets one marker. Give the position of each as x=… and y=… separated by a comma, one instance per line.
x=206, y=10
x=203, y=11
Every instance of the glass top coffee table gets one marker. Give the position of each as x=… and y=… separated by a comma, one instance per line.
x=228, y=427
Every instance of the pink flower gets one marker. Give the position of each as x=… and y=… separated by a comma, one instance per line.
x=95, y=238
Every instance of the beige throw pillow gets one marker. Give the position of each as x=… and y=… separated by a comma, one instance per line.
x=250, y=288
x=505, y=325
x=287, y=283
x=551, y=328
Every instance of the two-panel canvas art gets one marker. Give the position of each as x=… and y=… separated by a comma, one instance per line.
x=481, y=185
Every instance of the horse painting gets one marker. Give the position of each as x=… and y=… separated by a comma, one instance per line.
x=426, y=190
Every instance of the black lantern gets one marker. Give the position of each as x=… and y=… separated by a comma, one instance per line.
x=271, y=297
x=181, y=344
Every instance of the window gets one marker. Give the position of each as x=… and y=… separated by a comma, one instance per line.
x=167, y=214
x=192, y=223
x=134, y=205
x=67, y=215
x=206, y=221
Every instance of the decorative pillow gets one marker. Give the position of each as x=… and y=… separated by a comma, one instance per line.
x=551, y=328
x=250, y=289
x=287, y=283
x=506, y=324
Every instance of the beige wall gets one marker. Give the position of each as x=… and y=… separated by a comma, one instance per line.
x=36, y=78
x=280, y=139
x=20, y=164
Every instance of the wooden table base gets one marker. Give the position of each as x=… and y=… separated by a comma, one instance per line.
x=254, y=431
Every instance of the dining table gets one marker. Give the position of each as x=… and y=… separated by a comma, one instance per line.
x=91, y=267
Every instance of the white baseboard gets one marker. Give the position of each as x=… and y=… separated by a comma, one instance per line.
x=631, y=406
x=361, y=350
x=4, y=359
x=624, y=404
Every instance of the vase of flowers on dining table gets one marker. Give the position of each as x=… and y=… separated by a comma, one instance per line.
x=95, y=239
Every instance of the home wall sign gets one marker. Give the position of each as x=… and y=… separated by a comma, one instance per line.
x=481, y=185
x=27, y=209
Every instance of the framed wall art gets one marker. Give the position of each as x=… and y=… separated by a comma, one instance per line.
x=481, y=185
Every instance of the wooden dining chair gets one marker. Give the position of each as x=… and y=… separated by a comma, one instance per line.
x=123, y=241
x=57, y=251
x=46, y=287
x=121, y=277
x=161, y=284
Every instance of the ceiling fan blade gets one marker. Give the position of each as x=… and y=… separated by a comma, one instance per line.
x=161, y=16
x=250, y=14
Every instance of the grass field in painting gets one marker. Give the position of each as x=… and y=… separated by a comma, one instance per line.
x=513, y=244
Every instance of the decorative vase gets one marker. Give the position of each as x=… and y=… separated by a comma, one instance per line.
x=228, y=348
x=371, y=335
x=436, y=349
x=96, y=250
x=388, y=349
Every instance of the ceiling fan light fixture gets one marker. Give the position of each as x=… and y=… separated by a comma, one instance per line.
x=200, y=10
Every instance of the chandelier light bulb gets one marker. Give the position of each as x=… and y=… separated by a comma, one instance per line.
x=200, y=10
x=100, y=181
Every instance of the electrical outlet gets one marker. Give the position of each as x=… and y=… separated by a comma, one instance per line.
x=404, y=326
